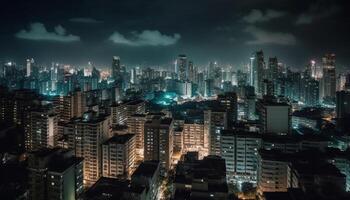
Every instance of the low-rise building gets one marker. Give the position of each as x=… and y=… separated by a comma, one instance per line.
x=200, y=179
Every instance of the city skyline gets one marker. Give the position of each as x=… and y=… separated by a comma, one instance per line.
x=183, y=100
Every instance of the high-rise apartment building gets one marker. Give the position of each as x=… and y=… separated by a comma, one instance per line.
x=194, y=138
x=239, y=149
x=214, y=121
x=158, y=141
x=85, y=136
x=191, y=72
x=118, y=155
x=309, y=90
x=228, y=101
x=328, y=81
x=71, y=106
x=200, y=179
x=272, y=171
x=274, y=117
x=343, y=104
x=181, y=67
x=42, y=129
x=54, y=174
x=121, y=112
x=135, y=125
x=273, y=72
x=116, y=68
x=29, y=67
x=258, y=71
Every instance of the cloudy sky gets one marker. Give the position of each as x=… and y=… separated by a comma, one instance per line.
x=154, y=32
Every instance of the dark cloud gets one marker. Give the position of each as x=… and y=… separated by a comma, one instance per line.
x=262, y=37
x=38, y=31
x=85, y=20
x=145, y=38
x=256, y=15
x=317, y=11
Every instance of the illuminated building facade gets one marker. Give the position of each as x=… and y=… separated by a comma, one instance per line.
x=240, y=149
x=181, y=68
x=118, y=155
x=194, y=139
x=85, y=136
x=42, y=129
x=343, y=104
x=54, y=174
x=328, y=81
x=274, y=117
x=121, y=112
x=158, y=141
x=136, y=125
x=214, y=122
x=272, y=172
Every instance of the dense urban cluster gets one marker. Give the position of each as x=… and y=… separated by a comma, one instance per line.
x=265, y=131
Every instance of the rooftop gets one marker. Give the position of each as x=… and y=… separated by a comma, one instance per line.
x=119, y=139
x=147, y=168
x=110, y=188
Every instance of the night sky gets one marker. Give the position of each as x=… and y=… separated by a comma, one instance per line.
x=154, y=32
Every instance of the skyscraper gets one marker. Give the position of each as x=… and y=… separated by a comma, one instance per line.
x=273, y=71
x=42, y=129
x=181, y=67
x=211, y=70
x=121, y=112
x=29, y=67
x=191, y=71
x=208, y=87
x=116, y=68
x=239, y=149
x=133, y=76
x=272, y=171
x=228, y=101
x=312, y=69
x=309, y=90
x=258, y=68
x=118, y=155
x=158, y=141
x=85, y=136
x=274, y=117
x=54, y=174
x=214, y=122
x=343, y=104
x=194, y=138
x=252, y=71
x=135, y=125
x=328, y=82
x=72, y=105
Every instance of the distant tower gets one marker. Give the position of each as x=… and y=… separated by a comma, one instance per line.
x=343, y=104
x=133, y=76
x=214, y=122
x=191, y=71
x=116, y=68
x=273, y=69
x=328, y=82
x=312, y=69
x=158, y=141
x=211, y=70
x=251, y=72
x=258, y=67
x=208, y=87
x=228, y=101
x=29, y=66
x=181, y=67
x=309, y=90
